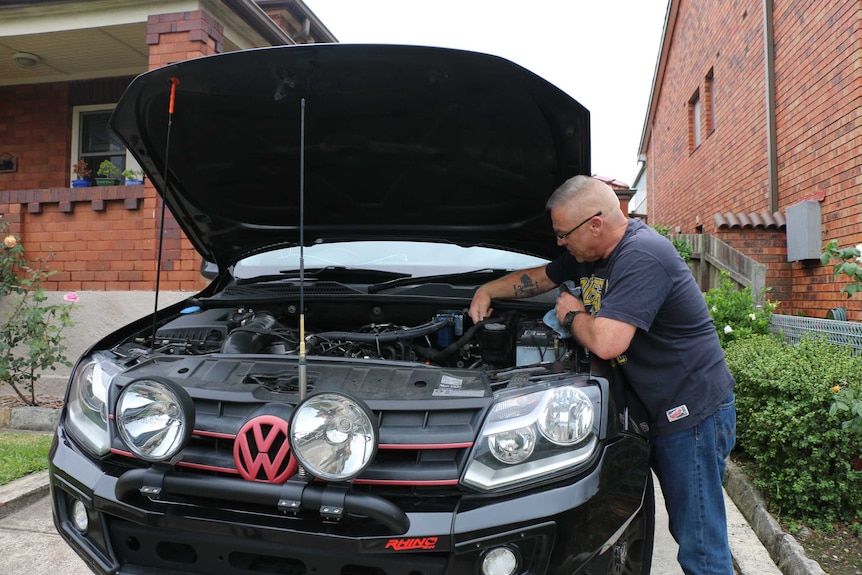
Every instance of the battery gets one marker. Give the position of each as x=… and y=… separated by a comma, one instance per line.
x=536, y=343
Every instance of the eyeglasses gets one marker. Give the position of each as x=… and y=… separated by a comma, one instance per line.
x=563, y=236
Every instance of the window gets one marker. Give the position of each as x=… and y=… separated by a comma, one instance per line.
x=708, y=120
x=694, y=122
x=93, y=141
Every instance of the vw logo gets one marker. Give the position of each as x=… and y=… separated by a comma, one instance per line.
x=261, y=450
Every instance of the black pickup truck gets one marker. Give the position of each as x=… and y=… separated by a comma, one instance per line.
x=326, y=406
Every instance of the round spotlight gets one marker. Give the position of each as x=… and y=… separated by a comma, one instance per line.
x=333, y=436
x=567, y=416
x=500, y=561
x=79, y=516
x=155, y=419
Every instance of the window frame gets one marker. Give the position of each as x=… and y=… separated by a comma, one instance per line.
x=77, y=114
x=694, y=121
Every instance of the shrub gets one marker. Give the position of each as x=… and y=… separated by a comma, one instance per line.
x=848, y=264
x=683, y=248
x=806, y=462
x=734, y=312
x=30, y=329
x=108, y=170
x=81, y=170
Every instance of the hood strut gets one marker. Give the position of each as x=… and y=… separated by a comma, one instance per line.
x=174, y=82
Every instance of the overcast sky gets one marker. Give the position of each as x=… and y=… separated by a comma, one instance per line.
x=601, y=52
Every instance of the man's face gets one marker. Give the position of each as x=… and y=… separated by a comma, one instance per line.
x=573, y=231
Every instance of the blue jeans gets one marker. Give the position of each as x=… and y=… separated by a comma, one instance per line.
x=690, y=467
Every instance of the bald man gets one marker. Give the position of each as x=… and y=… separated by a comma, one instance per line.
x=642, y=310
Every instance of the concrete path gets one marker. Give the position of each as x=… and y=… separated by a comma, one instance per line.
x=31, y=545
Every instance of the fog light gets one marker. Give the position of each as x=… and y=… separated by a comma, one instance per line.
x=79, y=516
x=155, y=419
x=333, y=436
x=500, y=561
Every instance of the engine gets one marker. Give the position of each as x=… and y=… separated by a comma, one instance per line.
x=447, y=338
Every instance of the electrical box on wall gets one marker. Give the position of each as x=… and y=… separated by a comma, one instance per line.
x=803, y=231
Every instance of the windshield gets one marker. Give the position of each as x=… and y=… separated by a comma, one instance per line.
x=414, y=258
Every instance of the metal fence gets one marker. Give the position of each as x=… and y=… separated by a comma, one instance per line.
x=794, y=328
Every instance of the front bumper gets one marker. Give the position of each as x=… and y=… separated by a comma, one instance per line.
x=159, y=523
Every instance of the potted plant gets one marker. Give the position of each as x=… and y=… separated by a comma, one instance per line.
x=133, y=177
x=108, y=174
x=82, y=173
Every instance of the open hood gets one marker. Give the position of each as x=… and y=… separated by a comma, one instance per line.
x=400, y=142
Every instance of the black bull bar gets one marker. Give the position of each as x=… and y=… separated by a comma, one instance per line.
x=291, y=497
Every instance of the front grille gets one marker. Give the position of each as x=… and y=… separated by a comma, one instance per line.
x=418, y=448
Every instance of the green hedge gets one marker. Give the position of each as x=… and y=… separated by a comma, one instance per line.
x=805, y=463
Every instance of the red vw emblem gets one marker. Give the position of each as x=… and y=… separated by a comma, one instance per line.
x=261, y=451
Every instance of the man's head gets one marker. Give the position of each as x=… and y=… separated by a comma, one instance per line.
x=587, y=218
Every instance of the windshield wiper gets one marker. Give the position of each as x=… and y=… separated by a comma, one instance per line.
x=460, y=277
x=340, y=273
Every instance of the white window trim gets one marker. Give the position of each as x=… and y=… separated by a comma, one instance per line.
x=131, y=163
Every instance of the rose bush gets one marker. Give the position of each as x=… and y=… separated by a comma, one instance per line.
x=31, y=330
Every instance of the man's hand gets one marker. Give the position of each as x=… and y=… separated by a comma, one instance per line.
x=480, y=307
x=519, y=284
x=566, y=302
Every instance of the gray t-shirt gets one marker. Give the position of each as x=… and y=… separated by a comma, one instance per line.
x=674, y=364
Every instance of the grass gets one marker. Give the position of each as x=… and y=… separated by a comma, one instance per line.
x=22, y=454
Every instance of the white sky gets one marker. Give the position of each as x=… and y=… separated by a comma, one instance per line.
x=601, y=52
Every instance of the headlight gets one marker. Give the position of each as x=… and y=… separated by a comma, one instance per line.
x=155, y=419
x=333, y=436
x=534, y=434
x=87, y=411
x=566, y=417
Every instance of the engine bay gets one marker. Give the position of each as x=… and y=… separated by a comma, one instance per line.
x=446, y=338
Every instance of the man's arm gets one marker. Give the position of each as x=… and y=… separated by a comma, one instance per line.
x=519, y=284
x=605, y=337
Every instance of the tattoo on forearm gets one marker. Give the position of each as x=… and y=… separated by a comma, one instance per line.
x=527, y=287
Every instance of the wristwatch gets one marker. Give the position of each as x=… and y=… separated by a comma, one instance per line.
x=570, y=317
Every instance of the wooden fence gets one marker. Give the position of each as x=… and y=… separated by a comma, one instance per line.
x=710, y=256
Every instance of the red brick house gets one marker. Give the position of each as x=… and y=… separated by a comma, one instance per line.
x=753, y=135
x=63, y=66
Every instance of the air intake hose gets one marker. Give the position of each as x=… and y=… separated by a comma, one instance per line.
x=251, y=337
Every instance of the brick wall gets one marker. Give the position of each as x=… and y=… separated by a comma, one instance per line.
x=182, y=36
x=818, y=132
x=35, y=127
x=100, y=238
x=769, y=247
x=727, y=172
x=818, y=92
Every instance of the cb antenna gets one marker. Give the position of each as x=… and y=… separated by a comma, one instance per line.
x=303, y=377
x=174, y=82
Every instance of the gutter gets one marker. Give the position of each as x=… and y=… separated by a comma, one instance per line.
x=249, y=11
x=308, y=15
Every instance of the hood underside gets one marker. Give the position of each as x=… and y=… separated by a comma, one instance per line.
x=357, y=142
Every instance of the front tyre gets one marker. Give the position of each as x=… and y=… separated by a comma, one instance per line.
x=632, y=553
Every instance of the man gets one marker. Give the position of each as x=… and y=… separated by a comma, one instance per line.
x=642, y=310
